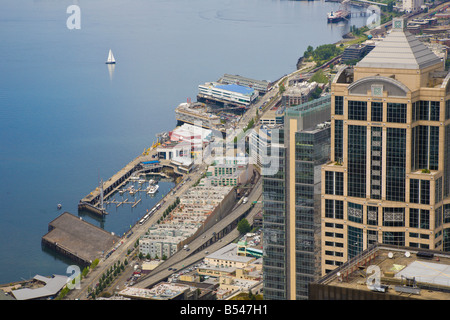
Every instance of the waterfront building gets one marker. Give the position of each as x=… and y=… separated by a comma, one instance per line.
x=291, y=202
x=388, y=180
x=190, y=133
x=196, y=113
x=228, y=93
x=41, y=287
x=260, y=85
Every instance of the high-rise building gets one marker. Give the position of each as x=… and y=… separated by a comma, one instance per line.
x=388, y=180
x=412, y=5
x=291, y=201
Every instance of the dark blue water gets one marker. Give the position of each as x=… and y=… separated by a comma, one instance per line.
x=65, y=122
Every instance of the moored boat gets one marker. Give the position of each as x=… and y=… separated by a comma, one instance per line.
x=153, y=189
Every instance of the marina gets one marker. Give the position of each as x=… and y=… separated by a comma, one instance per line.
x=123, y=181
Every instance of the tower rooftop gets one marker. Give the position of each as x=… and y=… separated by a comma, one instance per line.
x=400, y=50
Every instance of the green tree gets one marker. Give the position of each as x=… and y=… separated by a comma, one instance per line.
x=243, y=226
x=308, y=52
x=319, y=77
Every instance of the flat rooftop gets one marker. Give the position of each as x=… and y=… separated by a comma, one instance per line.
x=404, y=272
x=229, y=253
x=236, y=88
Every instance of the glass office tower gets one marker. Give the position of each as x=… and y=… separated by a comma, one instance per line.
x=291, y=202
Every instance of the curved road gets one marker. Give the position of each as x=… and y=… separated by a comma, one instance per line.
x=185, y=258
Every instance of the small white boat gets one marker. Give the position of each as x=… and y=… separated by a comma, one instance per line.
x=153, y=189
x=131, y=190
x=110, y=59
x=59, y=206
x=134, y=178
x=141, y=181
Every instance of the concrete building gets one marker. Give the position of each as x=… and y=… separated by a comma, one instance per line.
x=162, y=291
x=228, y=257
x=163, y=240
x=274, y=116
x=388, y=180
x=228, y=175
x=412, y=5
x=384, y=272
x=298, y=93
x=197, y=113
x=357, y=51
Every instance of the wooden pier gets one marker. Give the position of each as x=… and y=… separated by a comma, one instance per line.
x=77, y=239
x=92, y=201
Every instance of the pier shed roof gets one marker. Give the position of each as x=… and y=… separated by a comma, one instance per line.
x=78, y=239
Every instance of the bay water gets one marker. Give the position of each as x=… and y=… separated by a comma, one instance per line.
x=66, y=121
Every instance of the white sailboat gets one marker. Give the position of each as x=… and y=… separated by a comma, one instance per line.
x=110, y=59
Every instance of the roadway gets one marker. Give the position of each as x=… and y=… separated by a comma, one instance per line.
x=210, y=241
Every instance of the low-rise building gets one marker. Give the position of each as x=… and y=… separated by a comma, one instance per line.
x=196, y=113
x=227, y=93
x=387, y=272
x=161, y=291
x=260, y=85
x=228, y=257
x=298, y=93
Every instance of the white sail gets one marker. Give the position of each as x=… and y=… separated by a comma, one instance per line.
x=110, y=57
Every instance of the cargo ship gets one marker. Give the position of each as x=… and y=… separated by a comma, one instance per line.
x=336, y=16
x=342, y=14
